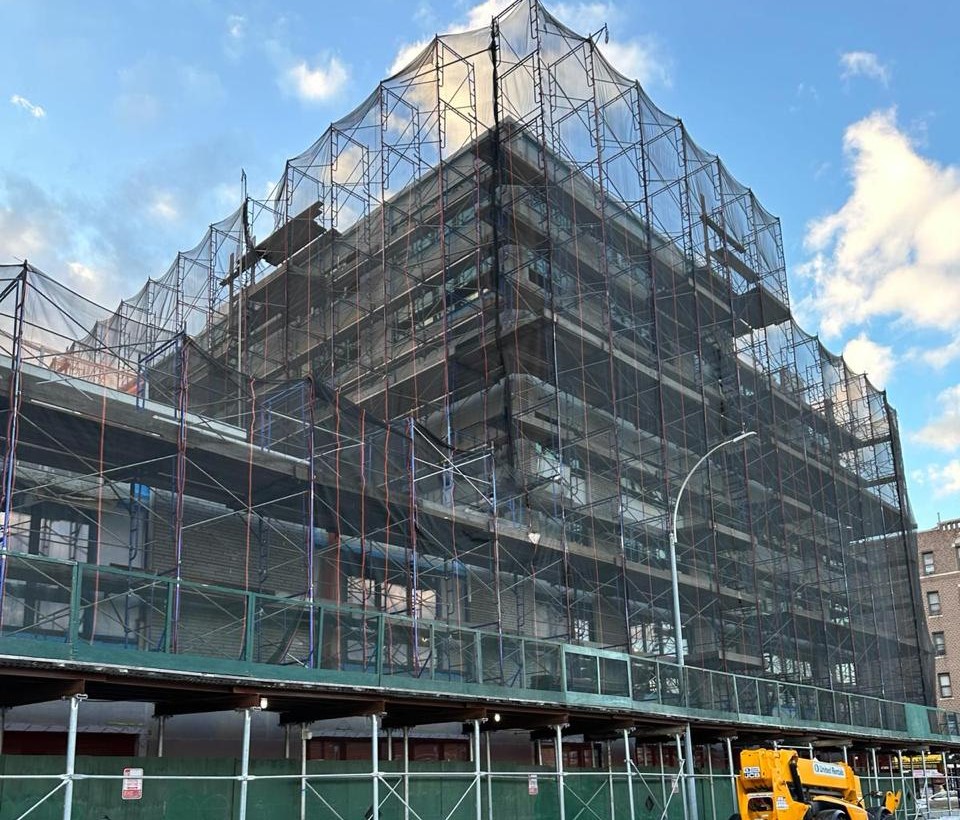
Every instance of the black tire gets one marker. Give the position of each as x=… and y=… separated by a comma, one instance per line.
x=830, y=814
x=735, y=816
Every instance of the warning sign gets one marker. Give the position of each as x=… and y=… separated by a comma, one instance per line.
x=532, y=786
x=132, y=788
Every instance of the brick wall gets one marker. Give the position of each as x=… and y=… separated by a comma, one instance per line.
x=939, y=553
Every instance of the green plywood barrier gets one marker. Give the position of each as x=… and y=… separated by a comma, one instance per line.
x=437, y=790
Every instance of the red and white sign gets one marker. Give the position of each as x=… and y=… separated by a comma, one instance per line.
x=532, y=786
x=132, y=788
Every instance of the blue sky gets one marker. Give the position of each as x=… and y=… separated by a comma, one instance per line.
x=124, y=126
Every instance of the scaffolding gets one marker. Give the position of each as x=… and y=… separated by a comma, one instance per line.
x=630, y=777
x=419, y=420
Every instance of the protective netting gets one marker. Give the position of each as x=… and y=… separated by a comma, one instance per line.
x=454, y=371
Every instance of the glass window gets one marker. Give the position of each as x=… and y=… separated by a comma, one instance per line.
x=928, y=566
x=946, y=690
x=845, y=673
x=933, y=602
x=939, y=643
x=957, y=548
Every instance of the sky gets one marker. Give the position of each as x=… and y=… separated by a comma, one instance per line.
x=124, y=128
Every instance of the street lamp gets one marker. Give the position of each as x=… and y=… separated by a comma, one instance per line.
x=690, y=804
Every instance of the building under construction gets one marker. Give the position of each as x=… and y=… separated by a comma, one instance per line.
x=408, y=439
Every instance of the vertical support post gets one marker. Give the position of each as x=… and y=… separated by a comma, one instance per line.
x=477, y=770
x=689, y=776
x=489, y=780
x=628, y=759
x=903, y=780
x=180, y=481
x=286, y=741
x=538, y=752
x=663, y=777
x=708, y=751
x=375, y=760
x=946, y=777
x=3, y=726
x=845, y=758
x=161, y=732
x=681, y=775
x=923, y=763
x=733, y=772
x=313, y=660
x=389, y=744
x=876, y=770
x=406, y=773
x=13, y=422
x=495, y=519
x=245, y=763
x=71, y=766
x=561, y=788
x=609, y=753
x=304, y=737
x=690, y=782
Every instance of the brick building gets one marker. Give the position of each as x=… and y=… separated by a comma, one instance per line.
x=939, y=555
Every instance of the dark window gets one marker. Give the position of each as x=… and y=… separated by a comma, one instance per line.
x=928, y=565
x=117, y=744
x=939, y=643
x=933, y=602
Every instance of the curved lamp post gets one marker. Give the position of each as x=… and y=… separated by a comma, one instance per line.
x=690, y=804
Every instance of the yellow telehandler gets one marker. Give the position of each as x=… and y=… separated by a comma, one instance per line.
x=778, y=784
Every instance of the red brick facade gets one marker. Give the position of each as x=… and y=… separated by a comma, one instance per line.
x=939, y=554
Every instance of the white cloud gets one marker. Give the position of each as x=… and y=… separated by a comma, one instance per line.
x=83, y=272
x=34, y=111
x=478, y=16
x=863, y=64
x=481, y=14
x=636, y=58
x=236, y=26
x=944, y=431
x=317, y=83
x=406, y=55
x=893, y=248
x=943, y=478
x=164, y=206
x=235, y=39
x=940, y=357
x=866, y=356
